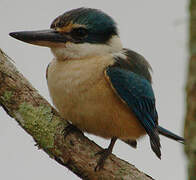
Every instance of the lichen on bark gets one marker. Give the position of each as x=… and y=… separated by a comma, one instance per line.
x=40, y=122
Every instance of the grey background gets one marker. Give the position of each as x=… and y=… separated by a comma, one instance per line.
x=157, y=29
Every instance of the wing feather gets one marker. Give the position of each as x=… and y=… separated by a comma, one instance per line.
x=137, y=93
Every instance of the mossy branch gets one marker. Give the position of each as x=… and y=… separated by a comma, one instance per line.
x=38, y=118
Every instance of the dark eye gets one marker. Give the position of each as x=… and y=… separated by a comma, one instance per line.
x=79, y=32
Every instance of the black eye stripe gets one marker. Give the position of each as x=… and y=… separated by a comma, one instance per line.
x=79, y=32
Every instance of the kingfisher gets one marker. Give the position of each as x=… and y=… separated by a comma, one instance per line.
x=95, y=83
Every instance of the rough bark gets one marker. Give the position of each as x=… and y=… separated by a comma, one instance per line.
x=190, y=121
x=38, y=118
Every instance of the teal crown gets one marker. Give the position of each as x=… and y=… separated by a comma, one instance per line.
x=99, y=25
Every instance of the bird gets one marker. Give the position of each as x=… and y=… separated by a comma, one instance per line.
x=95, y=83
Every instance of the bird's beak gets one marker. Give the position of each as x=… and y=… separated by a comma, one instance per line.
x=47, y=38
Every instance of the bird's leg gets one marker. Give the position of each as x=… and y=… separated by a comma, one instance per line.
x=104, y=154
x=69, y=129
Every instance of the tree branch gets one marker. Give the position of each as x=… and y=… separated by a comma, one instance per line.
x=190, y=120
x=38, y=118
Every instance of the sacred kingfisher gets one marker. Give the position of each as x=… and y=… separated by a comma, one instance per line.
x=95, y=83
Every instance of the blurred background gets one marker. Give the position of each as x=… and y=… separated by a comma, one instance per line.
x=155, y=29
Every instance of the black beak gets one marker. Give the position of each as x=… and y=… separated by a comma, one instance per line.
x=43, y=38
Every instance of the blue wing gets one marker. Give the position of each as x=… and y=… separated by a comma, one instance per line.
x=138, y=94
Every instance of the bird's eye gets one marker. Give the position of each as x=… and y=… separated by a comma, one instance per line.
x=79, y=32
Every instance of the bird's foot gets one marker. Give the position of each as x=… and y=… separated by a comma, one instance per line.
x=104, y=153
x=69, y=129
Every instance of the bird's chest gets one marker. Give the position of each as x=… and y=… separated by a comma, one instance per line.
x=82, y=95
x=70, y=83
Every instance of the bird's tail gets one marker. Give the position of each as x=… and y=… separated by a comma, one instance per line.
x=169, y=134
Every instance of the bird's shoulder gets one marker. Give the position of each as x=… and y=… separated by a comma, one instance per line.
x=130, y=74
x=134, y=62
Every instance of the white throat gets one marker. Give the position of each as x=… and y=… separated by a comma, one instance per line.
x=80, y=51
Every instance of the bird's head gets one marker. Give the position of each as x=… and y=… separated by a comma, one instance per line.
x=78, y=33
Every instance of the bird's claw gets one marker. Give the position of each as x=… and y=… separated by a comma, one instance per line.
x=104, y=154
